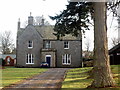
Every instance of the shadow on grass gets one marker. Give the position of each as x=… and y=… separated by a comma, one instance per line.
x=74, y=81
x=90, y=89
x=77, y=76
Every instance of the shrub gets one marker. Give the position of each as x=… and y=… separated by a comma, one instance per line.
x=2, y=61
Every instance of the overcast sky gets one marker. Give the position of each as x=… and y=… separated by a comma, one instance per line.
x=11, y=10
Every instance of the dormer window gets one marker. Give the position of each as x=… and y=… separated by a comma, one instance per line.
x=66, y=45
x=47, y=44
x=30, y=44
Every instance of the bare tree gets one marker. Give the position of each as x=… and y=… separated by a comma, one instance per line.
x=6, y=42
x=115, y=41
x=40, y=20
x=87, y=44
x=87, y=49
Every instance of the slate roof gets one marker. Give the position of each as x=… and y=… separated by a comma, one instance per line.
x=47, y=33
x=115, y=48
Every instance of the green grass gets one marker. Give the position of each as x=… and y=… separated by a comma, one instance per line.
x=116, y=73
x=11, y=75
x=78, y=77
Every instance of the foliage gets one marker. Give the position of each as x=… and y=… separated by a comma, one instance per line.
x=7, y=42
x=73, y=19
x=79, y=78
x=113, y=6
x=11, y=75
x=76, y=17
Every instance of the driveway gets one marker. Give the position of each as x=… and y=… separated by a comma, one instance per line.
x=50, y=79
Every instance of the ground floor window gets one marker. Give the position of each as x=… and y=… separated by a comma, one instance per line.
x=29, y=58
x=66, y=59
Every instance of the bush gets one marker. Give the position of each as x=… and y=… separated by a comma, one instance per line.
x=2, y=61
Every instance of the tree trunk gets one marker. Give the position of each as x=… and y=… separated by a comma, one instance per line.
x=102, y=72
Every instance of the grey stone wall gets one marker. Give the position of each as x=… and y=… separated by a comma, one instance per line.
x=22, y=47
x=74, y=50
x=30, y=33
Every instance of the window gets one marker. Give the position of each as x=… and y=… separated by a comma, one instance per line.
x=47, y=44
x=66, y=59
x=29, y=59
x=30, y=44
x=66, y=45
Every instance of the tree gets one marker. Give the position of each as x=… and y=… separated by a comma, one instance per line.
x=66, y=23
x=87, y=53
x=72, y=20
x=6, y=42
x=13, y=51
x=40, y=20
x=115, y=41
x=87, y=44
x=102, y=72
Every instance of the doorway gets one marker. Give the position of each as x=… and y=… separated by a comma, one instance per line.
x=48, y=59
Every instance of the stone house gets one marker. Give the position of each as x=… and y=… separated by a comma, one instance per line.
x=37, y=44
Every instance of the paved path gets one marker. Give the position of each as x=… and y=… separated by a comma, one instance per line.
x=50, y=79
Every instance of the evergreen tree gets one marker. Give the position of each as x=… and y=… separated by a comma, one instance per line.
x=76, y=18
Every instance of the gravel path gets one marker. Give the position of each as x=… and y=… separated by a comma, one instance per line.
x=50, y=79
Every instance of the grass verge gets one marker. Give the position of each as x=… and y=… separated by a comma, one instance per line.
x=11, y=75
x=78, y=77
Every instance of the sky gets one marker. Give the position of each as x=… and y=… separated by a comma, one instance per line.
x=12, y=10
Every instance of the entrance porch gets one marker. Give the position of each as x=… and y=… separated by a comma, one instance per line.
x=49, y=56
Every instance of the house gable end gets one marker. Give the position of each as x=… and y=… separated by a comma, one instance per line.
x=29, y=33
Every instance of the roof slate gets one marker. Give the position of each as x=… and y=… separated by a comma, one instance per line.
x=47, y=33
x=114, y=48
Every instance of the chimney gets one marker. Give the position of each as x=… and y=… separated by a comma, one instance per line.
x=18, y=23
x=43, y=21
x=30, y=20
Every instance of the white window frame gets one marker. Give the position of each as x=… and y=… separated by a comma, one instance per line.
x=66, y=43
x=47, y=44
x=30, y=43
x=65, y=59
x=29, y=59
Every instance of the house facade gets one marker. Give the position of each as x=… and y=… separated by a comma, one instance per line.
x=37, y=44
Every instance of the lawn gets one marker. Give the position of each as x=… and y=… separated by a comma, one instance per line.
x=78, y=77
x=11, y=75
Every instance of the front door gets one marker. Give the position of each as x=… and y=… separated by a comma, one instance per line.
x=48, y=59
